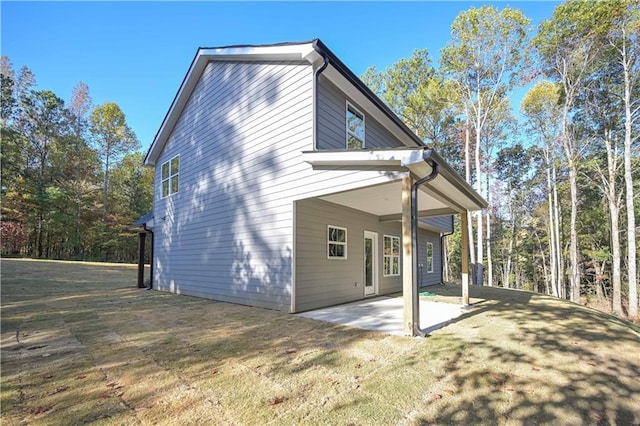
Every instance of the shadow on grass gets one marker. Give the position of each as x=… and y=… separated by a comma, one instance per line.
x=570, y=375
x=76, y=352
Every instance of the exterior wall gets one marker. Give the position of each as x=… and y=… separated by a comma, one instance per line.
x=426, y=278
x=332, y=128
x=441, y=223
x=227, y=233
x=324, y=282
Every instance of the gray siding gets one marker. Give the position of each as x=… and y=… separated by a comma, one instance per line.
x=324, y=282
x=227, y=234
x=331, y=123
x=426, y=278
x=443, y=224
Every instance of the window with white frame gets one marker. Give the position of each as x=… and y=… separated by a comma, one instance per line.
x=355, y=128
x=336, y=242
x=170, y=172
x=391, y=256
x=429, y=257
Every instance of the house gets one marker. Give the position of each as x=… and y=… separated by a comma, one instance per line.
x=283, y=182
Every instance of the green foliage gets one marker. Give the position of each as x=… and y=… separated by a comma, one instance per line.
x=52, y=177
x=421, y=98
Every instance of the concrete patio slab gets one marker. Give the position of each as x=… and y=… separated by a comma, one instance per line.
x=385, y=314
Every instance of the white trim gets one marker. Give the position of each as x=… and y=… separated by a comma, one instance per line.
x=292, y=307
x=170, y=177
x=346, y=239
x=391, y=256
x=356, y=112
x=374, y=267
x=402, y=157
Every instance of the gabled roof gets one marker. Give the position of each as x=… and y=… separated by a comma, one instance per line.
x=314, y=51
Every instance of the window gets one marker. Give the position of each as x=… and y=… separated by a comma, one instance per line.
x=391, y=257
x=355, y=128
x=170, y=176
x=337, y=242
x=429, y=257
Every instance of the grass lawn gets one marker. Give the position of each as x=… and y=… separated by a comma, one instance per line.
x=81, y=344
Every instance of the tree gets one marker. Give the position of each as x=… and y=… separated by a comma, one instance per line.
x=413, y=90
x=485, y=58
x=541, y=110
x=623, y=37
x=113, y=138
x=44, y=125
x=568, y=44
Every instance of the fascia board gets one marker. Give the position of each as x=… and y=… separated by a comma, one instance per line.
x=396, y=157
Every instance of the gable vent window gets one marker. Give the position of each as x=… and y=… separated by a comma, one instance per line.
x=355, y=128
x=171, y=176
x=337, y=242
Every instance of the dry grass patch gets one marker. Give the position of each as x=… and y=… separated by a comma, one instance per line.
x=81, y=344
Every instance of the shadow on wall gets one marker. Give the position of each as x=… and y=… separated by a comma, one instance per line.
x=224, y=237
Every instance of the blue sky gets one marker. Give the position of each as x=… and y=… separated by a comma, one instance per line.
x=137, y=53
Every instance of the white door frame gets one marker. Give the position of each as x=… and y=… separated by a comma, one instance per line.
x=372, y=290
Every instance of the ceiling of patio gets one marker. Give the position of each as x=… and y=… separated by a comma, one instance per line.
x=386, y=200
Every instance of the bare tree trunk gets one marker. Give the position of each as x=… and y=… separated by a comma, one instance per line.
x=609, y=184
x=628, y=180
x=552, y=237
x=569, y=150
x=479, y=242
x=559, y=259
x=467, y=164
x=547, y=280
x=489, y=259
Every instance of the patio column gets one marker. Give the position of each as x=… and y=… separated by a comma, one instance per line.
x=464, y=255
x=408, y=295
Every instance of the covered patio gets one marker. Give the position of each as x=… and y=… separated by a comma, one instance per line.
x=416, y=184
x=385, y=314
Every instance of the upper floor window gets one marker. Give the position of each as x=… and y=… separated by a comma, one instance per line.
x=337, y=242
x=170, y=176
x=355, y=128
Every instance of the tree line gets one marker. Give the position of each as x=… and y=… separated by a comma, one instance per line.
x=561, y=178
x=72, y=174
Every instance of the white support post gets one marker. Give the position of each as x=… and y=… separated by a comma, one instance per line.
x=407, y=258
x=464, y=254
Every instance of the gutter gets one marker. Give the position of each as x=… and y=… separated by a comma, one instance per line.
x=326, y=53
x=428, y=157
x=144, y=226
x=316, y=75
x=442, y=237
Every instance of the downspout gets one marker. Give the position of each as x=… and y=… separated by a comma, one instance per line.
x=426, y=156
x=144, y=226
x=442, y=237
x=316, y=75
